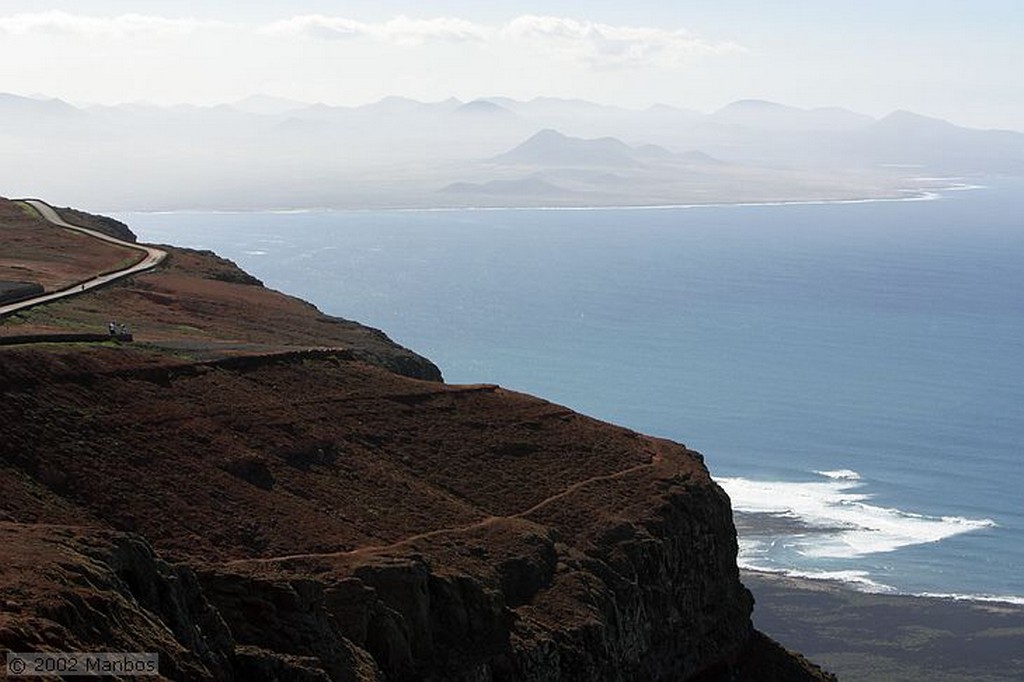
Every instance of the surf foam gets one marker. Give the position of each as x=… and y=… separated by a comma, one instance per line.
x=841, y=521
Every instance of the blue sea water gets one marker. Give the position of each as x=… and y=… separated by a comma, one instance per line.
x=856, y=367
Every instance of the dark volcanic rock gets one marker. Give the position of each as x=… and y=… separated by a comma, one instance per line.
x=66, y=588
x=11, y=292
x=220, y=268
x=100, y=223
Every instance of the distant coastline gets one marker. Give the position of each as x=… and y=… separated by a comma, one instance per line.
x=823, y=581
x=908, y=195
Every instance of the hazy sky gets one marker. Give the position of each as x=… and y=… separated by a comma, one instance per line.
x=956, y=59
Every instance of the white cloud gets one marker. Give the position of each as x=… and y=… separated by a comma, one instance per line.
x=604, y=45
x=592, y=43
x=586, y=42
x=317, y=26
x=401, y=30
x=442, y=28
x=56, y=22
x=339, y=59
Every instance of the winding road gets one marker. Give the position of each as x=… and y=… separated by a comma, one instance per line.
x=151, y=258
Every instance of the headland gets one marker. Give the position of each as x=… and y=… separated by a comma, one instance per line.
x=256, y=490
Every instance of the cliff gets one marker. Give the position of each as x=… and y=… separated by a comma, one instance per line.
x=272, y=494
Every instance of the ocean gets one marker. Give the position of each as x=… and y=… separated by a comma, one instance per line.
x=852, y=372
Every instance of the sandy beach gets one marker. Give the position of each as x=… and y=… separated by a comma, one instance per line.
x=879, y=637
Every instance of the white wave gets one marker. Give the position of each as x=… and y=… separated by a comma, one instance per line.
x=963, y=187
x=843, y=522
x=860, y=581
x=840, y=475
x=255, y=253
x=985, y=598
x=856, y=579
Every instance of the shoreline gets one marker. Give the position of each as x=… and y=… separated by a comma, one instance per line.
x=826, y=530
x=871, y=637
x=916, y=194
x=825, y=582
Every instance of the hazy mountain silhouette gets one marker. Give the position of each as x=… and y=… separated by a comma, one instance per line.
x=764, y=115
x=266, y=151
x=482, y=107
x=909, y=138
x=17, y=113
x=695, y=156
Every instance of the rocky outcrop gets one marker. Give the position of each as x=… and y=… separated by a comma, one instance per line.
x=67, y=588
x=100, y=223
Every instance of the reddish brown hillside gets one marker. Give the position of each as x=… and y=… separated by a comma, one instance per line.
x=33, y=250
x=255, y=495
x=196, y=304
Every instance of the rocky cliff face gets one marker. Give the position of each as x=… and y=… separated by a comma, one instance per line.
x=326, y=519
x=309, y=502
x=73, y=588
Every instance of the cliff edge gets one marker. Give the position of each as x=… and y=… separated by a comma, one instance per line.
x=256, y=491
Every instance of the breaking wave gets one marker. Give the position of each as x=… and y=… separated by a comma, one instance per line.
x=836, y=518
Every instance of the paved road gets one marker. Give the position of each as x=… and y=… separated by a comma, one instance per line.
x=151, y=258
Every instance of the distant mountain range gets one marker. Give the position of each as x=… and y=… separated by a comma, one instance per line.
x=553, y=149
x=759, y=114
x=270, y=151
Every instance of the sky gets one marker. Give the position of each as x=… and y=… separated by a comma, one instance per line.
x=953, y=59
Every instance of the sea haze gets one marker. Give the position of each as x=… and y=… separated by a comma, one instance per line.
x=852, y=372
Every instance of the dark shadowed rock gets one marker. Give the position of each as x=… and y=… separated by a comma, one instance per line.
x=100, y=223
